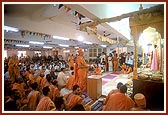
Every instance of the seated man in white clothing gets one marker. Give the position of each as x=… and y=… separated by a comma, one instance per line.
x=62, y=79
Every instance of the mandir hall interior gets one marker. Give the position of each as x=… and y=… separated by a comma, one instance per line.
x=58, y=58
x=133, y=66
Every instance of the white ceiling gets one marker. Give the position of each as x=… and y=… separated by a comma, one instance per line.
x=48, y=19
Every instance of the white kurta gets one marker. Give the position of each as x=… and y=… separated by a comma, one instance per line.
x=62, y=79
x=110, y=64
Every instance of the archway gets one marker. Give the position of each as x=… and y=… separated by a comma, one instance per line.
x=148, y=38
x=138, y=23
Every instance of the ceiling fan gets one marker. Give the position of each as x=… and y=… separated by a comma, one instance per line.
x=105, y=35
x=76, y=22
x=47, y=41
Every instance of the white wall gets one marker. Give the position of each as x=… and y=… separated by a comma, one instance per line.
x=129, y=48
x=10, y=52
x=28, y=52
x=72, y=50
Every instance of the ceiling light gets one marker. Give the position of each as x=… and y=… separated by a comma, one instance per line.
x=85, y=50
x=66, y=51
x=8, y=28
x=63, y=45
x=34, y=42
x=76, y=47
x=103, y=46
x=87, y=42
x=80, y=38
x=61, y=38
x=19, y=45
x=47, y=47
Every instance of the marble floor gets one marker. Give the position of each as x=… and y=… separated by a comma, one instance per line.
x=109, y=82
x=112, y=83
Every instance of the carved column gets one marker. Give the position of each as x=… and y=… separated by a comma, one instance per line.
x=135, y=38
x=140, y=22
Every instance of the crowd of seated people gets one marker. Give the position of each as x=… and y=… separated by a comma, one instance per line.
x=38, y=86
x=125, y=69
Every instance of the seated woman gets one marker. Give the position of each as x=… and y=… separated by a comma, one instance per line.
x=97, y=70
x=123, y=68
x=127, y=70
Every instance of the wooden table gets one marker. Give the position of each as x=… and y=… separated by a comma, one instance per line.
x=94, y=86
x=153, y=91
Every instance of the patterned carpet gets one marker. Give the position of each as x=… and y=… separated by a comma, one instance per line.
x=107, y=78
x=109, y=82
x=97, y=106
x=117, y=72
x=110, y=76
x=87, y=100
